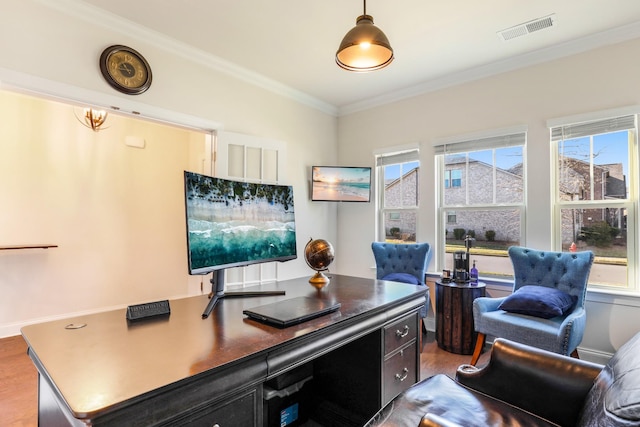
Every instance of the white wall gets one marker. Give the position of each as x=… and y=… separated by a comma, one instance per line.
x=57, y=54
x=602, y=79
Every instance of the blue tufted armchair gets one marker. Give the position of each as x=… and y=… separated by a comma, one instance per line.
x=530, y=319
x=403, y=263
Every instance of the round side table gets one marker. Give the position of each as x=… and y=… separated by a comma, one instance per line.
x=455, y=332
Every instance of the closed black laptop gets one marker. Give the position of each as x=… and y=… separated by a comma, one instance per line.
x=291, y=311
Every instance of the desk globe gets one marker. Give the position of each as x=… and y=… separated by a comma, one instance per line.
x=319, y=254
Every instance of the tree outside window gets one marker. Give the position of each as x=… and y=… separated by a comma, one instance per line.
x=594, y=204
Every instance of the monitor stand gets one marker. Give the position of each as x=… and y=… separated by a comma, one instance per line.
x=217, y=292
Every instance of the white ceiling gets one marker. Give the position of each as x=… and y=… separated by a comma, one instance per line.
x=290, y=45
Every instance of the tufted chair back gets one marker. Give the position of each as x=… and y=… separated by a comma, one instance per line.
x=401, y=258
x=565, y=271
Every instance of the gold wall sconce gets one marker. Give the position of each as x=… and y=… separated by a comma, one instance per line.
x=93, y=119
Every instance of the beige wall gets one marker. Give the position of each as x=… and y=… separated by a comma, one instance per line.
x=115, y=212
x=79, y=189
x=602, y=79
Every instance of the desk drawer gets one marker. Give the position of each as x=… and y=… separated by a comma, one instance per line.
x=399, y=333
x=239, y=411
x=400, y=372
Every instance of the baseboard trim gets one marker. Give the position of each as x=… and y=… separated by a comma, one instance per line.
x=430, y=324
x=595, y=356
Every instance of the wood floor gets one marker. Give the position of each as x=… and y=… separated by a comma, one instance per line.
x=18, y=377
x=19, y=390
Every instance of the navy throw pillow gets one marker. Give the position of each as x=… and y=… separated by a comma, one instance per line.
x=402, y=277
x=539, y=301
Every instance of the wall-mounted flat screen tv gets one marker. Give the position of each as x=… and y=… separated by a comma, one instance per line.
x=340, y=184
x=234, y=223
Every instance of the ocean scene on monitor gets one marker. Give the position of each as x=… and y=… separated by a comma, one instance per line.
x=231, y=223
x=346, y=184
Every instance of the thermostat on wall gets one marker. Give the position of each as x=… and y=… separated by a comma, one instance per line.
x=134, y=141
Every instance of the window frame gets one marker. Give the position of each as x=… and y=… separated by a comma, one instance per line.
x=382, y=160
x=494, y=140
x=593, y=125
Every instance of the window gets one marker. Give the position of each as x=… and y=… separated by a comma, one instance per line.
x=451, y=217
x=453, y=178
x=481, y=195
x=397, y=195
x=594, y=203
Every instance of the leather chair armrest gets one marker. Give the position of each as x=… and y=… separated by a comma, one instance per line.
x=433, y=420
x=546, y=384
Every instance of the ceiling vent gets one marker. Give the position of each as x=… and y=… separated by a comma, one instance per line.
x=527, y=28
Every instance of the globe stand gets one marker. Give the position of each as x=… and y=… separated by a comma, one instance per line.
x=318, y=254
x=319, y=280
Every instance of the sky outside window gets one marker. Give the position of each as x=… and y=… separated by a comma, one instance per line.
x=394, y=171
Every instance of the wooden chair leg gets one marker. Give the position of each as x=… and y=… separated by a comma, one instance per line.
x=478, y=350
x=575, y=354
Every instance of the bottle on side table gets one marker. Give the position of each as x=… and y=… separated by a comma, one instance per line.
x=473, y=274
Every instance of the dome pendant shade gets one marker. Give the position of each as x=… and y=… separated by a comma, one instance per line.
x=364, y=48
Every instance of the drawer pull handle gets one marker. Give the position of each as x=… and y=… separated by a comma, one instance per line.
x=405, y=374
x=402, y=333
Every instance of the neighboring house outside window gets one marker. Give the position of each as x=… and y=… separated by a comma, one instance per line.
x=452, y=218
x=481, y=194
x=594, y=203
x=453, y=178
x=505, y=224
x=398, y=177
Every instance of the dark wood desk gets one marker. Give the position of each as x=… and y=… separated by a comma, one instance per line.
x=183, y=369
x=455, y=330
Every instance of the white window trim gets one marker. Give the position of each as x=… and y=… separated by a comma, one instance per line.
x=380, y=187
x=593, y=116
x=458, y=139
x=474, y=142
x=633, y=272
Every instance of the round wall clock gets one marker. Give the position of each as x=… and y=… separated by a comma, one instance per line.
x=125, y=69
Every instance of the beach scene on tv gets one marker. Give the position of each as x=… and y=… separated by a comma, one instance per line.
x=345, y=184
x=232, y=223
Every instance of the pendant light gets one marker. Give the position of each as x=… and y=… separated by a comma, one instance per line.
x=365, y=47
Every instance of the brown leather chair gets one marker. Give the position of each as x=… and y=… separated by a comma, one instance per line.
x=523, y=385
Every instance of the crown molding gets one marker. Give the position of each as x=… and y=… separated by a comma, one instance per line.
x=573, y=47
x=97, y=16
